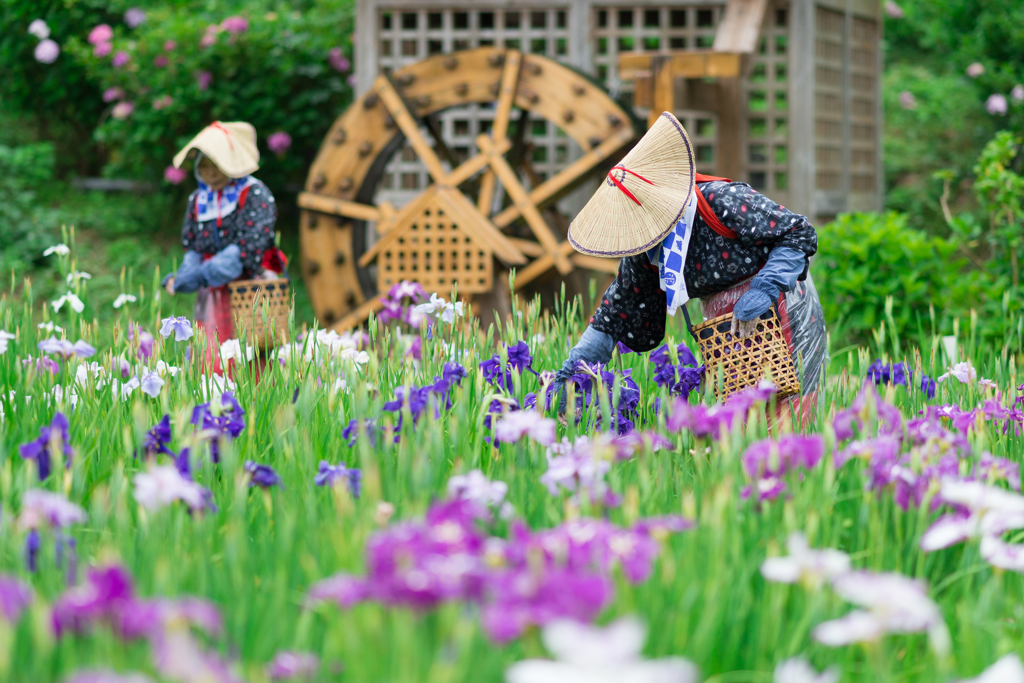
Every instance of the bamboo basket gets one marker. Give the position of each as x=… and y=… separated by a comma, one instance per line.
x=744, y=362
x=248, y=298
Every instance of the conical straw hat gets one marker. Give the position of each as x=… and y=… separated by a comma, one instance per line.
x=232, y=146
x=642, y=197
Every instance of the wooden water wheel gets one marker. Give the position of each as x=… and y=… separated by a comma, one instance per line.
x=450, y=231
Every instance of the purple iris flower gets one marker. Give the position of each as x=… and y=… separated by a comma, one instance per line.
x=145, y=345
x=39, y=450
x=180, y=327
x=105, y=591
x=351, y=431
x=767, y=461
x=288, y=665
x=263, y=476
x=32, y=545
x=330, y=474
x=392, y=310
x=623, y=349
x=927, y=385
x=228, y=422
x=493, y=373
x=882, y=373
x=519, y=356
x=65, y=348
x=15, y=596
x=158, y=437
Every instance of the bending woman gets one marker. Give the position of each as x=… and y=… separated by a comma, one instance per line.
x=683, y=235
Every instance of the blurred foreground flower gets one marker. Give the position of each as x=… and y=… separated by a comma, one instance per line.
x=15, y=596
x=476, y=488
x=66, y=349
x=107, y=676
x=44, y=508
x=810, y=567
x=1008, y=669
x=161, y=485
x=593, y=654
x=974, y=70
x=59, y=249
x=290, y=665
x=895, y=604
x=515, y=425
x=441, y=310
x=799, y=670
x=5, y=337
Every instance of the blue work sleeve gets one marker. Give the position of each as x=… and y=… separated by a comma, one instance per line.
x=224, y=267
x=189, y=277
x=784, y=267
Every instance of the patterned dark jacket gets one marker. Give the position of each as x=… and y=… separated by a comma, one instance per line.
x=250, y=226
x=633, y=308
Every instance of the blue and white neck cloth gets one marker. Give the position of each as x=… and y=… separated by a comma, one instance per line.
x=671, y=256
x=213, y=204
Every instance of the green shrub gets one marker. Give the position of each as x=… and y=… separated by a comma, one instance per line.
x=27, y=224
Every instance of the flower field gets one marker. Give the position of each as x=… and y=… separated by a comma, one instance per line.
x=403, y=505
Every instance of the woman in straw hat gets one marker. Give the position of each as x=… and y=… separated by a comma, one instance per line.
x=228, y=232
x=682, y=235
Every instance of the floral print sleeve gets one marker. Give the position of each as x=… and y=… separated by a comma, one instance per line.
x=632, y=310
x=757, y=220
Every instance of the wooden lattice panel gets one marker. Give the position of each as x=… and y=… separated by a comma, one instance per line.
x=435, y=250
x=766, y=151
x=829, y=37
x=863, y=113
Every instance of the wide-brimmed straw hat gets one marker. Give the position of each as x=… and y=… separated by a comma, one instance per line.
x=642, y=197
x=232, y=146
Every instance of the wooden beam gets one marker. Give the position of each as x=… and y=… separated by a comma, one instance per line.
x=664, y=96
x=358, y=316
x=540, y=228
x=528, y=247
x=410, y=128
x=339, y=207
x=740, y=27
x=542, y=265
x=603, y=265
x=552, y=186
x=471, y=167
x=688, y=64
x=499, y=125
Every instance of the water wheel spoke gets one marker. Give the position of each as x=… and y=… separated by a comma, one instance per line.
x=499, y=127
x=541, y=230
x=410, y=128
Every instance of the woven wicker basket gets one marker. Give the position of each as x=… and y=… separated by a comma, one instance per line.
x=248, y=298
x=745, y=362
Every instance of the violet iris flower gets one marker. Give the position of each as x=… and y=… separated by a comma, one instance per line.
x=263, y=476
x=767, y=461
x=66, y=349
x=158, y=437
x=15, y=596
x=351, y=431
x=899, y=374
x=56, y=434
x=104, y=593
x=227, y=420
x=32, y=545
x=288, y=665
x=180, y=327
x=330, y=475
x=887, y=417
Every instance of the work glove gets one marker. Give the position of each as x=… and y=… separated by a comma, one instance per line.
x=751, y=306
x=594, y=346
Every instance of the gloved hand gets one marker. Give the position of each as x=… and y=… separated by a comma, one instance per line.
x=752, y=306
x=594, y=346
